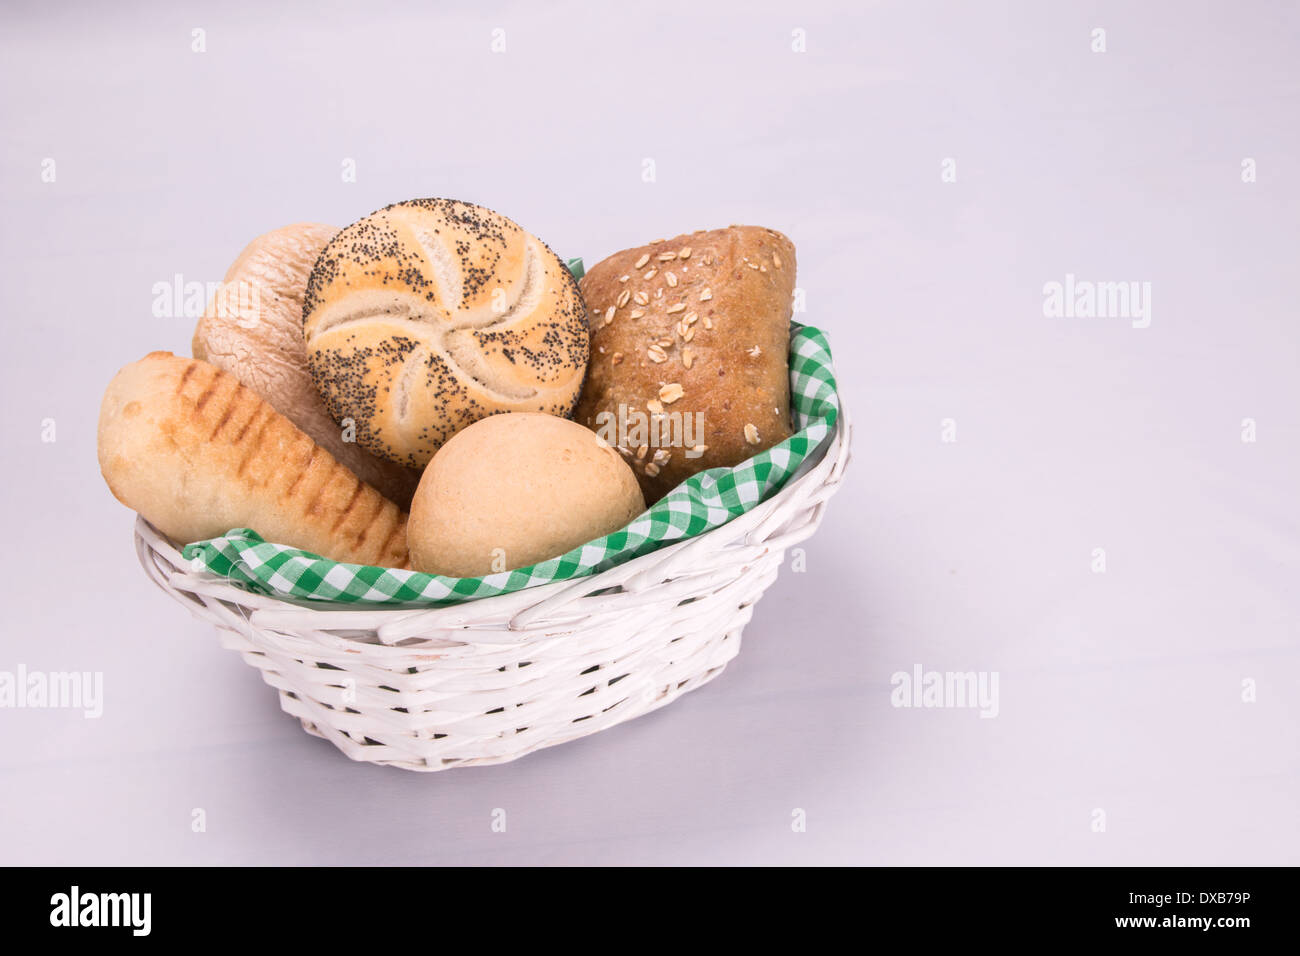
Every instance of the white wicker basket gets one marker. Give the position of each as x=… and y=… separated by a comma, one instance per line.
x=491, y=680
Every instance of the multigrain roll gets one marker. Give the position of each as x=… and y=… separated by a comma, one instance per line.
x=197, y=453
x=690, y=343
x=432, y=314
x=252, y=329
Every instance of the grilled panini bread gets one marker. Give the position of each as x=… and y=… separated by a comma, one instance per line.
x=197, y=453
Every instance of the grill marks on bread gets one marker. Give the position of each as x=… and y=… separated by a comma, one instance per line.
x=343, y=515
x=300, y=479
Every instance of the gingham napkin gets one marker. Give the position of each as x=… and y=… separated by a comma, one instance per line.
x=701, y=503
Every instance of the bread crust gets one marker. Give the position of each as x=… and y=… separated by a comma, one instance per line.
x=197, y=453
x=709, y=312
x=253, y=329
x=429, y=315
x=513, y=490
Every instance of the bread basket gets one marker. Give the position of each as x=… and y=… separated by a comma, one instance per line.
x=490, y=680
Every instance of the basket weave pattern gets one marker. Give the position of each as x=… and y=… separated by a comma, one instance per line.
x=490, y=680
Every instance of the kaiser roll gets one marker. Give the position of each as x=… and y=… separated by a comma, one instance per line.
x=513, y=490
x=431, y=314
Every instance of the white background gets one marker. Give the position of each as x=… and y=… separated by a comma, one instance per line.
x=1119, y=691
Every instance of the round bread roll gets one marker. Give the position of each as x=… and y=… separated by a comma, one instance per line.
x=513, y=490
x=429, y=315
x=253, y=329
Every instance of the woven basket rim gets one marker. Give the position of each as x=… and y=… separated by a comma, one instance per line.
x=525, y=609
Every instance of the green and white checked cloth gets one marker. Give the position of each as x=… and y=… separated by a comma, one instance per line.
x=702, y=502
